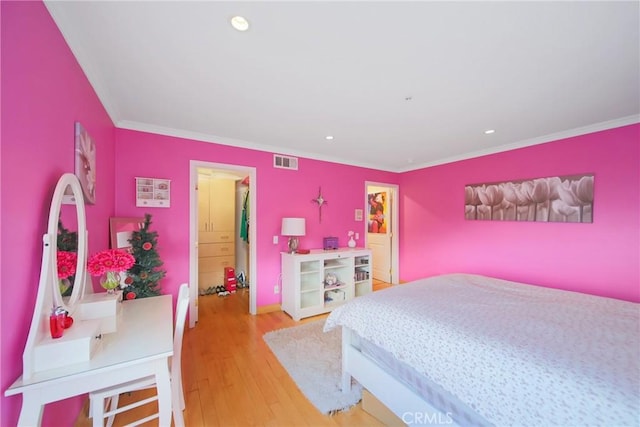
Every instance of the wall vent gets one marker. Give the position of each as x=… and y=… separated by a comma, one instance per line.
x=285, y=162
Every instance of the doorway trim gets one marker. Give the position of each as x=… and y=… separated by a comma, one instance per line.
x=395, y=224
x=193, y=232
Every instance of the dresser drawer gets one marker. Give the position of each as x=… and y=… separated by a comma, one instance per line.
x=77, y=345
x=216, y=236
x=215, y=263
x=215, y=249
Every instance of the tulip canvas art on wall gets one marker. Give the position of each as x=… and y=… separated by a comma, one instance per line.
x=553, y=199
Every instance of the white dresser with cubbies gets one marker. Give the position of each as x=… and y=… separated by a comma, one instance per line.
x=319, y=281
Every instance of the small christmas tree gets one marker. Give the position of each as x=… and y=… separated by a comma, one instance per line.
x=67, y=240
x=143, y=277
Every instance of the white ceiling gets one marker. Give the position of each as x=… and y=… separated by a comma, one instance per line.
x=400, y=85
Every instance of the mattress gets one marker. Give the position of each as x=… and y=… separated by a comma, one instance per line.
x=514, y=354
x=450, y=406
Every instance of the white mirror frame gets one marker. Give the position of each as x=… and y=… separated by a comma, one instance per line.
x=68, y=180
x=49, y=290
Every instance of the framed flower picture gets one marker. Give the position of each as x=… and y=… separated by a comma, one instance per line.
x=85, y=163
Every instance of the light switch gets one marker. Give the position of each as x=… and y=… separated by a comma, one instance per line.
x=275, y=240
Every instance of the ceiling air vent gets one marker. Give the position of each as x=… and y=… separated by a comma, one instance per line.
x=285, y=162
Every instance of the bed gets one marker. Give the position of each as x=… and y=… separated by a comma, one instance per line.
x=472, y=350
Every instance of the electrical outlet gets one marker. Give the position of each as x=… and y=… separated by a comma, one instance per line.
x=276, y=289
x=357, y=236
x=275, y=240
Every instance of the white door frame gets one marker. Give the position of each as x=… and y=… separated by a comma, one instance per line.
x=193, y=233
x=395, y=227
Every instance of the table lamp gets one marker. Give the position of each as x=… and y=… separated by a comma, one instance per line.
x=293, y=227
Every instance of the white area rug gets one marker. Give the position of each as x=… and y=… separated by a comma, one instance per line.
x=314, y=360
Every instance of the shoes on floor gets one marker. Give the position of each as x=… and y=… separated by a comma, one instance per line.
x=209, y=291
x=221, y=291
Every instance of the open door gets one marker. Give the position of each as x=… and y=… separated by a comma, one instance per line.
x=381, y=213
x=208, y=253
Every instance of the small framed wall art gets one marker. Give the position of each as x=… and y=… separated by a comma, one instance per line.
x=153, y=192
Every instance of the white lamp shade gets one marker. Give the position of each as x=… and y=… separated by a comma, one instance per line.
x=293, y=226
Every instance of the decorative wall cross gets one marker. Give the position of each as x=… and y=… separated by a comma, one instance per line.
x=320, y=201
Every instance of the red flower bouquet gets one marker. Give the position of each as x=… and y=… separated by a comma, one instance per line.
x=110, y=260
x=108, y=264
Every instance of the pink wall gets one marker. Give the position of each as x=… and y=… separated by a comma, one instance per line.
x=601, y=258
x=279, y=193
x=43, y=93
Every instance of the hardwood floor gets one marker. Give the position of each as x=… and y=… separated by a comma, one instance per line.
x=231, y=378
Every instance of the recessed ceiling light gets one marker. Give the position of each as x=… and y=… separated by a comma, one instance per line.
x=489, y=131
x=240, y=23
x=328, y=137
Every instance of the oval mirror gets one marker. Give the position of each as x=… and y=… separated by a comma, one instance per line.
x=67, y=190
x=49, y=295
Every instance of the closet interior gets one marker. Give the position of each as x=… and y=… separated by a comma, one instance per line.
x=223, y=231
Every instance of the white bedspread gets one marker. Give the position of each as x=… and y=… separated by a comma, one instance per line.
x=520, y=355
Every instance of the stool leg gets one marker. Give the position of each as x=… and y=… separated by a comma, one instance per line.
x=113, y=405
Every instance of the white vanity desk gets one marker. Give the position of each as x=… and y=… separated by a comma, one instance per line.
x=141, y=347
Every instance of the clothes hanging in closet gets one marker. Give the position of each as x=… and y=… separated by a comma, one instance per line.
x=244, y=222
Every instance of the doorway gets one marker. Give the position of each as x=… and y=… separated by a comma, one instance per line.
x=228, y=193
x=382, y=230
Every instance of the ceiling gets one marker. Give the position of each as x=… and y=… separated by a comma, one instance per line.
x=399, y=85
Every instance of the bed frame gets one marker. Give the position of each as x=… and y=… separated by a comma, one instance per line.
x=395, y=395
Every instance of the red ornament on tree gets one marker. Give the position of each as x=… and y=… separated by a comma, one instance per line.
x=146, y=246
x=131, y=295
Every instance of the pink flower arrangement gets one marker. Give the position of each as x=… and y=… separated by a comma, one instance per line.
x=110, y=260
x=66, y=264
